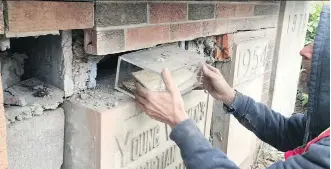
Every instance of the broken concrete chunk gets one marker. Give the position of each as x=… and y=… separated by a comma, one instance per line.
x=28, y=93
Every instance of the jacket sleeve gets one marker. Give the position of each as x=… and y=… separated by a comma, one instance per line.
x=269, y=126
x=317, y=157
x=196, y=150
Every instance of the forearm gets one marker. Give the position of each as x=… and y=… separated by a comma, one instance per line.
x=196, y=150
x=281, y=132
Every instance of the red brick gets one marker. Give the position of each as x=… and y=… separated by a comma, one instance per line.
x=244, y=10
x=32, y=16
x=103, y=42
x=225, y=10
x=2, y=24
x=214, y=27
x=167, y=12
x=142, y=37
x=186, y=31
x=3, y=147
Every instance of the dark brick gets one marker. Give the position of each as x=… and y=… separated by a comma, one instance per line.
x=225, y=10
x=167, y=12
x=201, y=11
x=116, y=14
x=266, y=9
x=142, y=37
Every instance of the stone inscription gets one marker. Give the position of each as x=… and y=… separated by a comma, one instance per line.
x=133, y=147
x=296, y=23
x=250, y=60
x=198, y=112
x=161, y=161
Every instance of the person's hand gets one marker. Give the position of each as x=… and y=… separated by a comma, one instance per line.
x=215, y=84
x=167, y=107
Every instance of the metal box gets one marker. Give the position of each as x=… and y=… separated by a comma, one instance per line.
x=146, y=66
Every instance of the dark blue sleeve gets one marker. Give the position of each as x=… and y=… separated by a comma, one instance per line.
x=196, y=150
x=269, y=126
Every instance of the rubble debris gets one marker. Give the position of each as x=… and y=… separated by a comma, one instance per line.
x=84, y=96
x=84, y=70
x=24, y=94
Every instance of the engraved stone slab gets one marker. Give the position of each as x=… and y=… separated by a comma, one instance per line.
x=124, y=137
x=245, y=74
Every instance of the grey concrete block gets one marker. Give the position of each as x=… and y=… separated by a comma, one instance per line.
x=201, y=11
x=37, y=143
x=116, y=14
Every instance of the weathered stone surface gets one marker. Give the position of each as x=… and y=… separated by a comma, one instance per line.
x=33, y=92
x=287, y=62
x=12, y=68
x=38, y=142
x=99, y=139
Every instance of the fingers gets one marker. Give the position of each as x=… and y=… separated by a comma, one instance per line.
x=142, y=91
x=214, y=69
x=208, y=73
x=167, y=79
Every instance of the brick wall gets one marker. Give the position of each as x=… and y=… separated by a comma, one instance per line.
x=123, y=26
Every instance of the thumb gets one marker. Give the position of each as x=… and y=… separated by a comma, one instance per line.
x=167, y=79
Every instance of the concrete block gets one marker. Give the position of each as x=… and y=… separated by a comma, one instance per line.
x=167, y=12
x=116, y=14
x=201, y=11
x=12, y=68
x=99, y=138
x=26, y=16
x=37, y=142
